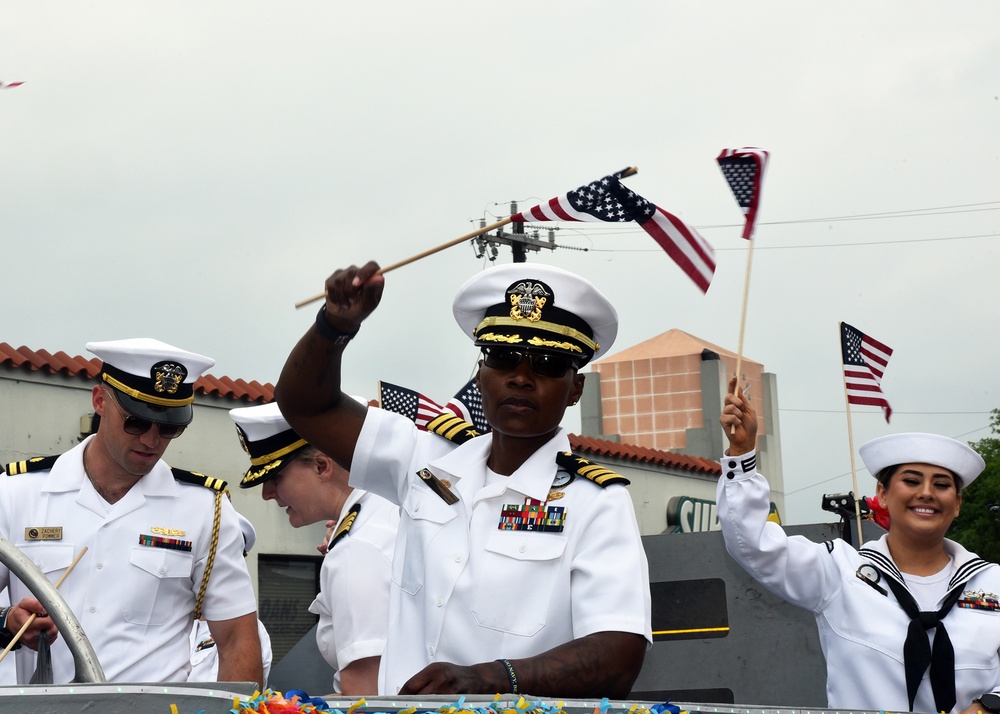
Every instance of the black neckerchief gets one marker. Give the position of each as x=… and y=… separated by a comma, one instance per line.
x=917, y=653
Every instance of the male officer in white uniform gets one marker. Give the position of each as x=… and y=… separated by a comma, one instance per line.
x=353, y=602
x=149, y=530
x=519, y=567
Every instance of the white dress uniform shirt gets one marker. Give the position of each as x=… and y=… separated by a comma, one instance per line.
x=353, y=602
x=465, y=591
x=205, y=655
x=135, y=602
x=861, y=628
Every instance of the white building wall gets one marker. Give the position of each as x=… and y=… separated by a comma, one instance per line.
x=41, y=415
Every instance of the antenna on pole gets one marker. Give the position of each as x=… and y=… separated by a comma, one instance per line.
x=520, y=242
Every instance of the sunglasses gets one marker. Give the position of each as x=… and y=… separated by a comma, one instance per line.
x=542, y=364
x=135, y=426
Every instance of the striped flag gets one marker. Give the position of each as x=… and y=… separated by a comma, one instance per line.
x=744, y=172
x=467, y=404
x=865, y=360
x=413, y=405
x=608, y=201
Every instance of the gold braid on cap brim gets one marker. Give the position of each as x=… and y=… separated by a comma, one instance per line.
x=143, y=397
x=571, y=333
x=267, y=458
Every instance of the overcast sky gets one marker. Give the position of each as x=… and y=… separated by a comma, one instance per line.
x=190, y=170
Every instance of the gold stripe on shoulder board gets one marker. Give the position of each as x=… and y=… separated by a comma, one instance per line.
x=600, y=475
x=35, y=463
x=452, y=428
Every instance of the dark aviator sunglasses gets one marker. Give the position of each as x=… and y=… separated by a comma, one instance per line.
x=542, y=364
x=135, y=426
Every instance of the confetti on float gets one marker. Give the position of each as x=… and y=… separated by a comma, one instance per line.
x=295, y=701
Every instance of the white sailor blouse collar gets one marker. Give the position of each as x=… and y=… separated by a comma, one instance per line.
x=964, y=563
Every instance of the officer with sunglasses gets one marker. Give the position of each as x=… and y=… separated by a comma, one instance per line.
x=150, y=532
x=519, y=567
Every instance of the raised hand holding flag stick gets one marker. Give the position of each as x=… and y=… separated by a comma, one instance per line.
x=744, y=172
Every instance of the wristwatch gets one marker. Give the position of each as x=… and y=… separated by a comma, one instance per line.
x=990, y=702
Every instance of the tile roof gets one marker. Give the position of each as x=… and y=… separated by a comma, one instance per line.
x=62, y=363
x=225, y=387
x=641, y=454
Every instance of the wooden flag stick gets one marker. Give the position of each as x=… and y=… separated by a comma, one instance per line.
x=31, y=619
x=854, y=472
x=630, y=171
x=743, y=321
x=418, y=256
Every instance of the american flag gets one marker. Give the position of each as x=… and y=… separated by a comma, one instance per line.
x=413, y=405
x=468, y=404
x=744, y=172
x=607, y=200
x=865, y=360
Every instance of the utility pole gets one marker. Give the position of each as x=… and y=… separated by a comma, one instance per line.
x=519, y=241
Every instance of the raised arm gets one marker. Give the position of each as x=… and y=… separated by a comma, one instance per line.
x=603, y=664
x=308, y=390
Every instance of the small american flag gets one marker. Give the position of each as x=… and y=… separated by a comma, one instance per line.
x=608, y=201
x=865, y=360
x=744, y=172
x=468, y=404
x=413, y=405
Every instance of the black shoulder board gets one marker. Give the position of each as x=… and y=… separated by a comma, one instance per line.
x=216, y=484
x=452, y=428
x=35, y=463
x=589, y=470
x=344, y=527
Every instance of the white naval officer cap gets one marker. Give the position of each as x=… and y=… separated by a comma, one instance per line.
x=920, y=448
x=153, y=380
x=536, y=307
x=268, y=439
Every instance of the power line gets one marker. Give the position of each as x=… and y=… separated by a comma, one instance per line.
x=799, y=246
x=894, y=411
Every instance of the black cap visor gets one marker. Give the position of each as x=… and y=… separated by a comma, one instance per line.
x=181, y=416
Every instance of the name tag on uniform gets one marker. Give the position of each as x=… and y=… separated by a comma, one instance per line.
x=439, y=486
x=43, y=533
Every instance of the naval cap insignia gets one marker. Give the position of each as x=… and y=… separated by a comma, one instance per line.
x=527, y=298
x=167, y=376
x=243, y=438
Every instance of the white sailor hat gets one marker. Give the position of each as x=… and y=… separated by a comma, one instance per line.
x=267, y=438
x=154, y=381
x=249, y=534
x=918, y=448
x=536, y=307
